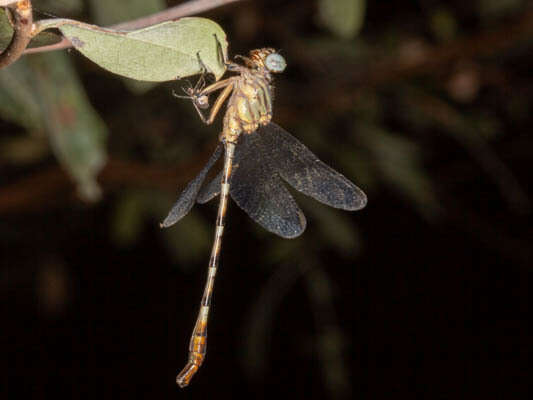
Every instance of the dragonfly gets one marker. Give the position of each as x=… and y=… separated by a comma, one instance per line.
x=260, y=160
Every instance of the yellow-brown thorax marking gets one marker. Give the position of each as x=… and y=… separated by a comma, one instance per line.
x=249, y=106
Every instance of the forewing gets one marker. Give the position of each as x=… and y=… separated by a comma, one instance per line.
x=259, y=191
x=306, y=173
x=187, y=198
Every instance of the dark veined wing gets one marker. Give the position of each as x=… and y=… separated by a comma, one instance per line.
x=210, y=190
x=258, y=190
x=306, y=173
x=188, y=197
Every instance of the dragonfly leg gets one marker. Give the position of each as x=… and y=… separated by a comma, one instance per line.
x=218, y=103
x=197, y=97
x=199, y=100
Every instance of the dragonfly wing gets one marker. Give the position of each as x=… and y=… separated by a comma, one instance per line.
x=211, y=190
x=187, y=198
x=306, y=173
x=259, y=191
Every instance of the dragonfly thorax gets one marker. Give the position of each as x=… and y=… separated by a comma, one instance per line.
x=250, y=93
x=250, y=104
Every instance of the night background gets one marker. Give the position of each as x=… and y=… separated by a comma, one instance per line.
x=426, y=105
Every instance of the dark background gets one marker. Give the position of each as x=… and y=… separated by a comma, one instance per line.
x=422, y=293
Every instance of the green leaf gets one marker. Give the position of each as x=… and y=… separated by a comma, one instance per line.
x=77, y=134
x=162, y=52
x=344, y=18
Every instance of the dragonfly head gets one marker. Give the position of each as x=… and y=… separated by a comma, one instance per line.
x=268, y=59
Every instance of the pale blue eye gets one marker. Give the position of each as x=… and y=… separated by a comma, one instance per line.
x=275, y=62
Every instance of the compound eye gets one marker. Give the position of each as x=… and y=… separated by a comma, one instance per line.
x=275, y=62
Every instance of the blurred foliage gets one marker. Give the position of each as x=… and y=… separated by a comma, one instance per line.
x=77, y=134
x=443, y=24
x=42, y=93
x=398, y=161
x=491, y=9
x=344, y=18
x=134, y=207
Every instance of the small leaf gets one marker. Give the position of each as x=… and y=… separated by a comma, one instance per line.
x=162, y=52
x=77, y=134
x=344, y=18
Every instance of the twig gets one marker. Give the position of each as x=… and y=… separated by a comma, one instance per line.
x=192, y=7
x=23, y=20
